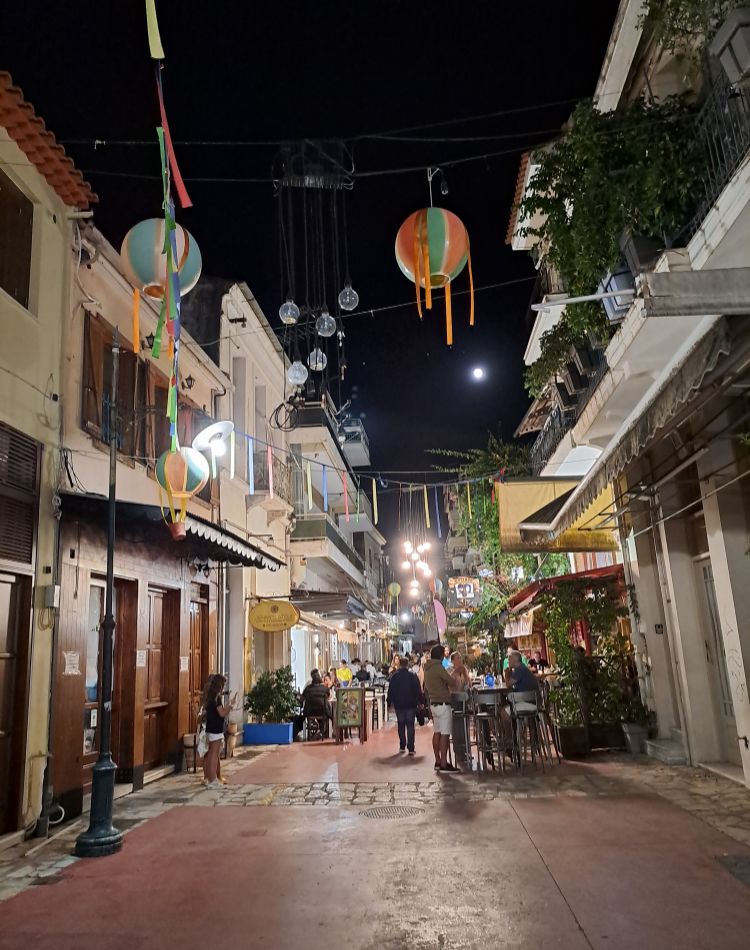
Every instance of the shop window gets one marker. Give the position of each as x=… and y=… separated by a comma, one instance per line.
x=16, y=232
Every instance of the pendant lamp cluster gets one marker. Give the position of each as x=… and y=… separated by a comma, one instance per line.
x=416, y=562
x=311, y=183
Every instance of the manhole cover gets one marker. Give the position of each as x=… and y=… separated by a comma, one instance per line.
x=392, y=811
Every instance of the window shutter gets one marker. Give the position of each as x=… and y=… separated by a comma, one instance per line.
x=19, y=492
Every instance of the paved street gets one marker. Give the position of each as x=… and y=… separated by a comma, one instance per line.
x=612, y=852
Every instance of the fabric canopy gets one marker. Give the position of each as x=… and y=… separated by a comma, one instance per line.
x=526, y=508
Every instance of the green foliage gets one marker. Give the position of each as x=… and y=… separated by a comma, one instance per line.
x=590, y=689
x=683, y=25
x=636, y=170
x=273, y=698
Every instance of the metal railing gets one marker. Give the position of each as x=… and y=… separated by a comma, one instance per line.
x=282, y=482
x=562, y=419
x=316, y=527
x=723, y=129
x=354, y=431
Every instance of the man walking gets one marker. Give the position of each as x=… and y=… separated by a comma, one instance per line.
x=403, y=695
x=438, y=684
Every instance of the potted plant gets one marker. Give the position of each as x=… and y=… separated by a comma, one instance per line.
x=635, y=726
x=273, y=702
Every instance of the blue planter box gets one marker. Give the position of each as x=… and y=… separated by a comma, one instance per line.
x=267, y=733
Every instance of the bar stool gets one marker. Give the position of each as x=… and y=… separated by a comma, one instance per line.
x=524, y=709
x=463, y=714
x=491, y=738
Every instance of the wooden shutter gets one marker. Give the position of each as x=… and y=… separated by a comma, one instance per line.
x=19, y=492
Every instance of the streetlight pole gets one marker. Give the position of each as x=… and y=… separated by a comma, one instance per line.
x=102, y=837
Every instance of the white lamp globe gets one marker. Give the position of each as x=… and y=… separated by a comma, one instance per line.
x=348, y=298
x=325, y=325
x=297, y=373
x=317, y=360
x=289, y=312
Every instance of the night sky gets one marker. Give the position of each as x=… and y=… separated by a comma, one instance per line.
x=332, y=69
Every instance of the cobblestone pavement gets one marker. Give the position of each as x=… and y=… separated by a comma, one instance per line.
x=721, y=803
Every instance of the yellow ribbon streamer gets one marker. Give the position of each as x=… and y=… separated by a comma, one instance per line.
x=136, y=320
x=309, y=488
x=154, y=38
x=374, y=501
x=426, y=507
x=231, y=454
x=468, y=496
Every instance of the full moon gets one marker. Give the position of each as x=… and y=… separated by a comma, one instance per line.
x=477, y=372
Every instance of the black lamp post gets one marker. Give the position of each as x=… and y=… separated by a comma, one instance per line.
x=102, y=837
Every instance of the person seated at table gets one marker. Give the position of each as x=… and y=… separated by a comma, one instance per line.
x=359, y=672
x=344, y=674
x=520, y=679
x=370, y=667
x=513, y=648
x=316, y=699
x=541, y=662
x=329, y=682
x=532, y=664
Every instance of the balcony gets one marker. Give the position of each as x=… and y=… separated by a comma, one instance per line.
x=723, y=129
x=356, y=445
x=322, y=532
x=580, y=378
x=282, y=482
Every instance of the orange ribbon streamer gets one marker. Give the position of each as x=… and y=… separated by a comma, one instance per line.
x=448, y=315
x=471, y=288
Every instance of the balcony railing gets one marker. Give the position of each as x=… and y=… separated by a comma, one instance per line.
x=723, y=129
x=317, y=527
x=282, y=486
x=354, y=431
x=583, y=375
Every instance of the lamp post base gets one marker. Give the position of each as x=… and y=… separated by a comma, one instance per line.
x=101, y=837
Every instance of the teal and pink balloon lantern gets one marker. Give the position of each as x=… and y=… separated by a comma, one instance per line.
x=145, y=260
x=181, y=474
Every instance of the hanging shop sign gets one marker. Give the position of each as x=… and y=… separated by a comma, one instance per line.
x=273, y=616
x=464, y=593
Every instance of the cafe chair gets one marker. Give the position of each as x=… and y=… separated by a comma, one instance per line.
x=492, y=738
x=524, y=711
x=315, y=727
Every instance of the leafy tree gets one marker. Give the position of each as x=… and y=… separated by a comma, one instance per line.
x=682, y=25
x=636, y=169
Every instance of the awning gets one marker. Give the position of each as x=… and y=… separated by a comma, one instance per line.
x=144, y=524
x=526, y=506
x=679, y=388
x=333, y=604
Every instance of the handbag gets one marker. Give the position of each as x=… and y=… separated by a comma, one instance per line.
x=202, y=744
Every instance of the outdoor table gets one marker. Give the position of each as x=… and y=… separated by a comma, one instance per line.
x=378, y=696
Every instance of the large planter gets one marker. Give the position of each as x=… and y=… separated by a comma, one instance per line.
x=635, y=737
x=571, y=741
x=267, y=733
x=606, y=735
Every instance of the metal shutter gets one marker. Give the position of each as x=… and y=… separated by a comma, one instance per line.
x=19, y=491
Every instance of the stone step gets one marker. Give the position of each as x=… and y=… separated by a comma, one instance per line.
x=675, y=734
x=667, y=751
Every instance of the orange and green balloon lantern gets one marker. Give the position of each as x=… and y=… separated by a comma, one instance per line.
x=432, y=248
x=181, y=474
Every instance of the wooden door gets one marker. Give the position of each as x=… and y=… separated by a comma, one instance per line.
x=198, y=658
x=156, y=703
x=11, y=732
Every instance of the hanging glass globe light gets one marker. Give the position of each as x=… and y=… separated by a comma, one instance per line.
x=317, y=360
x=289, y=312
x=325, y=325
x=348, y=298
x=297, y=373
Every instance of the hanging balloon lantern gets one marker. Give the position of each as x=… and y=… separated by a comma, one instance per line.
x=181, y=474
x=394, y=588
x=432, y=248
x=145, y=261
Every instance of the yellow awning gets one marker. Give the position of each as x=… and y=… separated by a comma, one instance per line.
x=527, y=507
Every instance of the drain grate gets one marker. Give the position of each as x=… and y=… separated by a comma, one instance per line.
x=392, y=811
x=738, y=865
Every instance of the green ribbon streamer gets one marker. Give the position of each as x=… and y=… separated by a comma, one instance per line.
x=156, y=348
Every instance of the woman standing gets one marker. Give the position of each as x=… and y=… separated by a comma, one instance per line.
x=215, y=715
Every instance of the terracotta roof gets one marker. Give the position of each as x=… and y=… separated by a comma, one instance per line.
x=517, y=196
x=23, y=125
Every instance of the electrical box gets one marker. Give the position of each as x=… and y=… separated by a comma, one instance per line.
x=52, y=596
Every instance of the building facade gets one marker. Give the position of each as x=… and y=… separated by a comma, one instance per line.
x=650, y=422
